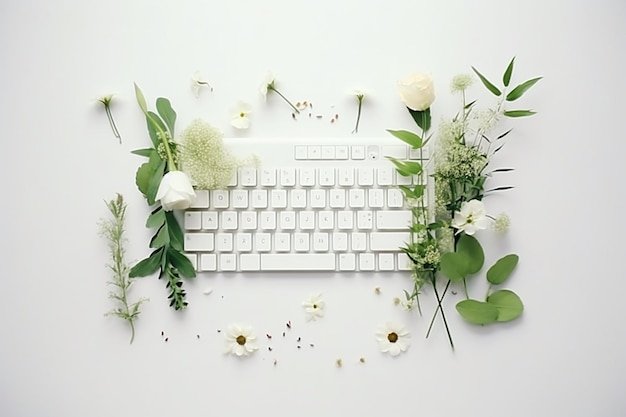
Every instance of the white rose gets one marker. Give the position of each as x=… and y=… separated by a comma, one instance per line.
x=175, y=191
x=417, y=91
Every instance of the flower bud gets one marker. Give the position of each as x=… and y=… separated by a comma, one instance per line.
x=175, y=191
x=417, y=91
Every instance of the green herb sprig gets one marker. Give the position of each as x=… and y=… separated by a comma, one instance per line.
x=168, y=256
x=113, y=231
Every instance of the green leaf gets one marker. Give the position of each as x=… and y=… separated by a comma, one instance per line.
x=167, y=113
x=154, y=123
x=506, y=78
x=477, y=312
x=487, y=83
x=181, y=262
x=422, y=118
x=155, y=181
x=175, y=232
x=502, y=269
x=406, y=168
x=161, y=238
x=144, y=152
x=156, y=218
x=507, y=303
x=519, y=113
x=141, y=99
x=147, y=266
x=518, y=91
x=454, y=266
x=409, y=137
x=471, y=249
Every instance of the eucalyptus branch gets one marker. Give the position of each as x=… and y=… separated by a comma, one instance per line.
x=113, y=231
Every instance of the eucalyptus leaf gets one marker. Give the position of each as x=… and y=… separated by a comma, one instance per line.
x=155, y=124
x=488, y=83
x=502, y=269
x=519, y=91
x=506, y=78
x=408, y=137
x=507, y=303
x=147, y=266
x=473, y=251
x=167, y=113
x=181, y=262
x=519, y=113
x=477, y=312
x=453, y=266
x=142, y=177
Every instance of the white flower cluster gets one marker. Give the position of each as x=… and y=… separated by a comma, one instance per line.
x=204, y=156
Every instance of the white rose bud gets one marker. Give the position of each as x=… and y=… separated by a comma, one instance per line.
x=417, y=91
x=175, y=191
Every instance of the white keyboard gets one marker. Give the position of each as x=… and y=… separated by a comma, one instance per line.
x=311, y=205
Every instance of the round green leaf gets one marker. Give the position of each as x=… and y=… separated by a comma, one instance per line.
x=477, y=312
x=469, y=246
x=501, y=270
x=507, y=303
x=453, y=266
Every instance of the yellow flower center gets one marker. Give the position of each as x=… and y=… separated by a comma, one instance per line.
x=241, y=340
x=315, y=306
x=392, y=337
x=242, y=115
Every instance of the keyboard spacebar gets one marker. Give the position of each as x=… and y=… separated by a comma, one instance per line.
x=298, y=262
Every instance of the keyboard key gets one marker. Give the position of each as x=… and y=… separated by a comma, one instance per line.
x=347, y=262
x=287, y=220
x=219, y=198
x=359, y=241
x=224, y=242
x=345, y=220
x=346, y=176
x=385, y=175
x=320, y=242
x=209, y=220
x=375, y=197
x=259, y=198
x=297, y=198
x=268, y=177
x=318, y=198
x=243, y=242
x=307, y=177
x=340, y=242
x=248, y=220
x=268, y=220
x=326, y=176
x=202, y=199
x=278, y=198
x=228, y=262
x=365, y=176
x=356, y=198
x=239, y=198
x=229, y=220
x=395, y=198
x=247, y=177
x=358, y=152
x=287, y=177
x=282, y=242
x=208, y=262
x=393, y=219
x=301, y=152
x=326, y=220
x=298, y=262
x=328, y=152
x=199, y=242
x=301, y=242
x=337, y=198
x=386, y=261
x=398, y=152
x=388, y=241
x=341, y=152
x=193, y=220
x=367, y=262
x=364, y=220
x=263, y=242
x=250, y=262
x=306, y=220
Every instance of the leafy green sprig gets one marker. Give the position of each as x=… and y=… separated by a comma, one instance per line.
x=168, y=255
x=113, y=231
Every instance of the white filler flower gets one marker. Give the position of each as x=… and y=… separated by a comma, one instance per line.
x=240, y=340
x=471, y=217
x=393, y=338
x=240, y=115
x=314, y=307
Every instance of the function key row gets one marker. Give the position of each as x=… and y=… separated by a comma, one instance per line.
x=356, y=152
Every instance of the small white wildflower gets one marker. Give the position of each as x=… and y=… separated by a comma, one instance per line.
x=197, y=83
x=240, y=115
x=461, y=82
x=393, y=338
x=269, y=84
x=502, y=223
x=106, y=101
x=240, y=340
x=471, y=217
x=408, y=304
x=314, y=307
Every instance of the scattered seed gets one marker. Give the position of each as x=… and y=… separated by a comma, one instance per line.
x=269, y=336
x=362, y=359
x=269, y=348
x=289, y=324
x=162, y=333
x=336, y=116
x=299, y=346
x=332, y=120
x=311, y=344
x=198, y=336
x=275, y=362
x=309, y=114
x=167, y=338
x=219, y=331
x=293, y=116
x=299, y=339
x=283, y=334
x=319, y=116
x=377, y=290
x=339, y=363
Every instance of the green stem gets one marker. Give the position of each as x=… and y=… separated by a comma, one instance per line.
x=269, y=87
x=440, y=309
x=359, y=97
x=170, y=159
x=107, y=109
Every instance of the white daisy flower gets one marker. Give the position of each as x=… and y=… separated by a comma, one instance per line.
x=393, y=338
x=240, y=118
x=240, y=340
x=269, y=84
x=471, y=217
x=197, y=83
x=314, y=307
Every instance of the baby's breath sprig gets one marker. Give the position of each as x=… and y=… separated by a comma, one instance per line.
x=113, y=231
x=106, y=101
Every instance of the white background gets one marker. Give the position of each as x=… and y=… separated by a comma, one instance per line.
x=59, y=356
